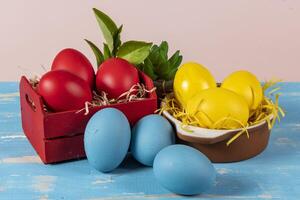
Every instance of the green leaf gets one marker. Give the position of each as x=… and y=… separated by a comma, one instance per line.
x=177, y=63
x=171, y=74
x=140, y=66
x=148, y=69
x=174, y=58
x=163, y=70
x=154, y=55
x=98, y=54
x=117, y=40
x=161, y=58
x=134, y=52
x=155, y=58
x=107, y=26
x=154, y=48
x=163, y=49
x=106, y=50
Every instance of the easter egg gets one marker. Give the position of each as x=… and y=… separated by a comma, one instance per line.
x=73, y=61
x=106, y=139
x=62, y=91
x=219, y=108
x=190, y=79
x=116, y=76
x=183, y=170
x=247, y=85
x=151, y=134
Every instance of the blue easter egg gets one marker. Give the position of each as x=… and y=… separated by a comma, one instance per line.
x=183, y=170
x=151, y=134
x=106, y=139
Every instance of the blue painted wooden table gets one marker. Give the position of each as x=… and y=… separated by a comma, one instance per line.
x=274, y=174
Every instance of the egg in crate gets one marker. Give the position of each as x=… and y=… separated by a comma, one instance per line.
x=73, y=61
x=63, y=91
x=106, y=139
x=116, y=76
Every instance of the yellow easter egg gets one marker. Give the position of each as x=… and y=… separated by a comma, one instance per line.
x=190, y=79
x=218, y=108
x=247, y=85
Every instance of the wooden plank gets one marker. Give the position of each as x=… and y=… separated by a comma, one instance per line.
x=274, y=174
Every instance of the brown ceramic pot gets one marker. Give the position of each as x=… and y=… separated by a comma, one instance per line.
x=213, y=142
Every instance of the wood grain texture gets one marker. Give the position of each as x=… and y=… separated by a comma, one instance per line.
x=274, y=174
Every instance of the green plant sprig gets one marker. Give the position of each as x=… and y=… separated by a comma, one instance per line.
x=134, y=52
x=158, y=66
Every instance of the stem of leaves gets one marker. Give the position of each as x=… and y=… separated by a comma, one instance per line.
x=97, y=52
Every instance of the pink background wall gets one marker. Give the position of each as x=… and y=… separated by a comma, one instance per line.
x=262, y=36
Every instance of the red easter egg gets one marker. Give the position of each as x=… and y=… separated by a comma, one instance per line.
x=75, y=62
x=62, y=91
x=116, y=76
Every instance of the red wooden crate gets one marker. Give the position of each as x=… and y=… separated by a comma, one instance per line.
x=58, y=136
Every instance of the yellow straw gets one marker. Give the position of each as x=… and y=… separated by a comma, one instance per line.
x=269, y=111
